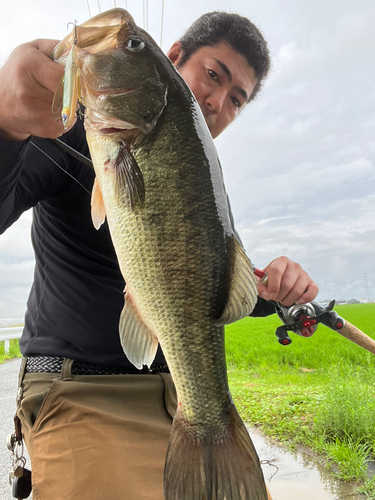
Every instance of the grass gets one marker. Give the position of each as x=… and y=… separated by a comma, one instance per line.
x=350, y=456
x=318, y=392
x=348, y=409
x=368, y=489
x=14, y=350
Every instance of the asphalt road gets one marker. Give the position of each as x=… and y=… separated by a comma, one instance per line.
x=8, y=393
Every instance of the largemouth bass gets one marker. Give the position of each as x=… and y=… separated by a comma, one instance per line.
x=160, y=185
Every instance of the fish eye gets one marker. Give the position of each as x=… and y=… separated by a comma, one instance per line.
x=134, y=44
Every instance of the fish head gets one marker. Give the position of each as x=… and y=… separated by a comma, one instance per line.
x=122, y=88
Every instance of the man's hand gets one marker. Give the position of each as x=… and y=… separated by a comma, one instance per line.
x=288, y=283
x=28, y=81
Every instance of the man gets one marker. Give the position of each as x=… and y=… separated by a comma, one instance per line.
x=95, y=426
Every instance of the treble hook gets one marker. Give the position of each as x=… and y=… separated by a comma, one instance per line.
x=75, y=24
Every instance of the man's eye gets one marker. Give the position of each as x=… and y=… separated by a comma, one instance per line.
x=236, y=102
x=213, y=75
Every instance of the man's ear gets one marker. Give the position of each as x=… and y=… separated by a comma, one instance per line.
x=175, y=53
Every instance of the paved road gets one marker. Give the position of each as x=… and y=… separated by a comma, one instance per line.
x=8, y=392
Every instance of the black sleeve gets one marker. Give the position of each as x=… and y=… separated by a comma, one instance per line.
x=12, y=156
x=33, y=170
x=263, y=308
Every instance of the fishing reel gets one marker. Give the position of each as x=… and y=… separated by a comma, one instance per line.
x=303, y=319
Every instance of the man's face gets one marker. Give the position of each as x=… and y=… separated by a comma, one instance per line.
x=221, y=80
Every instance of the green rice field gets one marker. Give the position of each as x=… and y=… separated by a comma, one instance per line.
x=252, y=344
x=317, y=392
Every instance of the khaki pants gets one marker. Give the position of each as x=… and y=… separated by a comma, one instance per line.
x=97, y=437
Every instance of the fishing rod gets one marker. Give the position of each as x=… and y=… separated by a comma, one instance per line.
x=73, y=152
x=303, y=320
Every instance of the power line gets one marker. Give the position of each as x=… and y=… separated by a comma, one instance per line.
x=367, y=289
x=88, y=6
x=162, y=22
x=146, y=3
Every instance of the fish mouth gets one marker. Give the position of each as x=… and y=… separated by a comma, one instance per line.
x=111, y=130
x=103, y=124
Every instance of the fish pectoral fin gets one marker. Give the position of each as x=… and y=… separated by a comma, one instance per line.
x=242, y=290
x=129, y=178
x=138, y=341
x=97, y=205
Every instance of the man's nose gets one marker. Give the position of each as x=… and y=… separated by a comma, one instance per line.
x=215, y=101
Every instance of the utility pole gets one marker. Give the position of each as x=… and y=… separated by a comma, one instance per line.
x=367, y=289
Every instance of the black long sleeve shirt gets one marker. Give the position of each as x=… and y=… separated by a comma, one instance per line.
x=76, y=299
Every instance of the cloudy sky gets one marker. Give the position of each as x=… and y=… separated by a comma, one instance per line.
x=298, y=162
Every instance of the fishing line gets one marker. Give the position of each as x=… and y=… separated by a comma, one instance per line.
x=53, y=161
x=146, y=15
x=88, y=6
x=162, y=22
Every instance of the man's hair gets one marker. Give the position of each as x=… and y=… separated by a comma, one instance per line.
x=239, y=32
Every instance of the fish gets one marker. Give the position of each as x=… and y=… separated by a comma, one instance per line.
x=159, y=184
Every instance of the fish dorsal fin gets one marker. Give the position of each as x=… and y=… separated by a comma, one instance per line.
x=138, y=341
x=97, y=205
x=129, y=178
x=242, y=290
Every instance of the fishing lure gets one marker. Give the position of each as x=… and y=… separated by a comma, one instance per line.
x=72, y=85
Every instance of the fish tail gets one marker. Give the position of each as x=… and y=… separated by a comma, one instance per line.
x=211, y=468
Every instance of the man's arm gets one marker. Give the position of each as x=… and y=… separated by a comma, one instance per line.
x=27, y=84
x=12, y=158
x=28, y=81
x=263, y=308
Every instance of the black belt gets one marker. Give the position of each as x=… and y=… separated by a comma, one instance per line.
x=53, y=364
